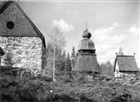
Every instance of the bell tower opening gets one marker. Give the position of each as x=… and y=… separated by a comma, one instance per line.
x=90, y=52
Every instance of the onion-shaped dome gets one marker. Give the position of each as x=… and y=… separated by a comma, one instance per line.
x=86, y=43
x=86, y=34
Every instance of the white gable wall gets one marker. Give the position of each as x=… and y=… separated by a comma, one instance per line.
x=117, y=73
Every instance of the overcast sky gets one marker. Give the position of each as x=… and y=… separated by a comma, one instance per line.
x=112, y=24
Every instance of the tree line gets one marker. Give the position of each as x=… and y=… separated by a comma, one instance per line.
x=55, y=56
x=65, y=62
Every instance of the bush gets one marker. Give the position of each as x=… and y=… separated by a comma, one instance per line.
x=15, y=89
x=38, y=89
x=45, y=78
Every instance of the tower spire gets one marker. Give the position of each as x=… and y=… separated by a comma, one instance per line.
x=86, y=24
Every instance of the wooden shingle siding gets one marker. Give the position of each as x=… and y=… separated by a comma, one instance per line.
x=87, y=63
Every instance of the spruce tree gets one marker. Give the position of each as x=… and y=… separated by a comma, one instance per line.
x=8, y=60
x=68, y=65
x=73, y=58
x=73, y=52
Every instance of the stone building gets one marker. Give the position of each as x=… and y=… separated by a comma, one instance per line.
x=125, y=65
x=20, y=38
x=87, y=61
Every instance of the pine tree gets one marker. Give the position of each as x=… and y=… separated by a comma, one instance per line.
x=8, y=60
x=60, y=62
x=68, y=65
x=9, y=47
x=64, y=54
x=73, y=58
x=73, y=52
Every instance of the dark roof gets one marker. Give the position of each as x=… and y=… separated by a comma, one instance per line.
x=5, y=5
x=126, y=63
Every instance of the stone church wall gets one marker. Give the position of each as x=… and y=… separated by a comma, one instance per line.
x=26, y=51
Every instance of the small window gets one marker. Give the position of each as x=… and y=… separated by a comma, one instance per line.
x=10, y=25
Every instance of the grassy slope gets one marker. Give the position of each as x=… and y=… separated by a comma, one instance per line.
x=37, y=89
